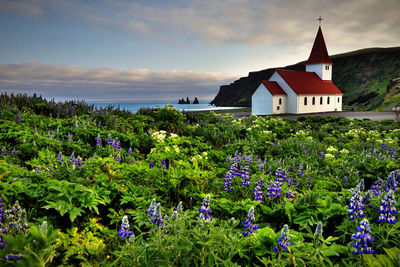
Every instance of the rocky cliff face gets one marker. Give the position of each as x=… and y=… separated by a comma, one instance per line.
x=363, y=76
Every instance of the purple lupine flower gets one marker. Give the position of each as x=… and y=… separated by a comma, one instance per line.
x=69, y=137
x=228, y=182
x=290, y=194
x=249, y=224
x=14, y=153
x=205, y=211
x=383, y=146
x=118, y=158
x=280, y=175
x=109, y=140
x=228, y=158
x=152, y=207
x=60, y=158
x=294, y=182
x=261, y=167
x=130, y=151
x=117, y=144
x=156, y=219
x=283, y=240
x=98, y=140
x=124, y=230
x=274, y=190
x=112, y=145
x=258, y=194
x=248, y=159
x=151, y=164
x=245, y=174
x=309, y=182
x=393, y=181
x=4, y=151
x=234, y=171
x=174, y=216
x=78, y=162
x=366, y=200
x=163, y=164
x=72, y=158
x=377, y=188
x=362, y=239
x=260, y=182
x=345, y=179
x=387, y=209
x=356, y=206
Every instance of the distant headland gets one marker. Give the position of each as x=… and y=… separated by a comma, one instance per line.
x=187, y=101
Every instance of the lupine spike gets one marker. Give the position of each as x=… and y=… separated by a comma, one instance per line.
x=283, y=240
x=362, y=238
x=152, y=207
x=248, y=224
x=318, y=230
x=179, y=208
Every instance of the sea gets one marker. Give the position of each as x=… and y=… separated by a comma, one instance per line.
x=134, y=106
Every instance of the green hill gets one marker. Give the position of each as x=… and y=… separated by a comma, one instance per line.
x=368, y=78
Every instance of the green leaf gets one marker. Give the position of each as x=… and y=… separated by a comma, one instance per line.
x=75, y=212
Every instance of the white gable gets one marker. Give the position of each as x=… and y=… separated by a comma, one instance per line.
x=261, y=101
x=291, y=104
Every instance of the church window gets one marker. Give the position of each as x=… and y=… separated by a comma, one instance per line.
x=305, y=101
x=320, y=100
x=338, y=99
x=313, y=100
x=327, y=67
x=328, y=100
x=280, y=101
x=277, y=108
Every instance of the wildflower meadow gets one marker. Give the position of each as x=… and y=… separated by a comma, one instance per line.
x=104, y=187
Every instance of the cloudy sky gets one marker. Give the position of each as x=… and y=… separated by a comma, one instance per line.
x=166, y=49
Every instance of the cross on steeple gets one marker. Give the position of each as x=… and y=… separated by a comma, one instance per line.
x=320, y=19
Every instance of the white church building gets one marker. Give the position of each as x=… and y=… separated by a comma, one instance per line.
x=296, y=92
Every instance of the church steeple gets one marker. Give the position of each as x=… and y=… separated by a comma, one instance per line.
x=319, y=61
x=319, y=54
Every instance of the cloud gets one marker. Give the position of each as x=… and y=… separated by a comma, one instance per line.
x=352, y=24
x=72, y=82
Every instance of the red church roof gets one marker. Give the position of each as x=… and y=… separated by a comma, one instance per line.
x=273, y=88
x=319, y=54
x=308, y=83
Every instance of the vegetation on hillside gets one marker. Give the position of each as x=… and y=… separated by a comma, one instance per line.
x=104, y=187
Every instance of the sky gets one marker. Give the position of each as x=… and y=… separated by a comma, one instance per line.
x=118, y=50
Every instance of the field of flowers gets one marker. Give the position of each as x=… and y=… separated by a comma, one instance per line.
x=104, y=187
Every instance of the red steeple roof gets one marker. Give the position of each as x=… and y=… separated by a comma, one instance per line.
x=308, y=83
x=319, y=54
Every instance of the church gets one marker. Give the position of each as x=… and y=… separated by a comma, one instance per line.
x=297, y=92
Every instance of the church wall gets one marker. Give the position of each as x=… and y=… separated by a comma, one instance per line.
x=279, y=108
x=291, y=99
x=338, y=103
x=261, y=101
x=321, y=71
x=317, y=107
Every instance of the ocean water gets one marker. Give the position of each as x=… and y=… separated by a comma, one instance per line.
x=134, y=106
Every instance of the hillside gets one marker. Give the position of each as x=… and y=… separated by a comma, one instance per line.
x=366, y=77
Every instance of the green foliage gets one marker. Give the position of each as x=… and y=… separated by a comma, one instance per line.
x=191, y=154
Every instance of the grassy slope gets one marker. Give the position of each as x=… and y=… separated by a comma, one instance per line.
x=363, y=76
